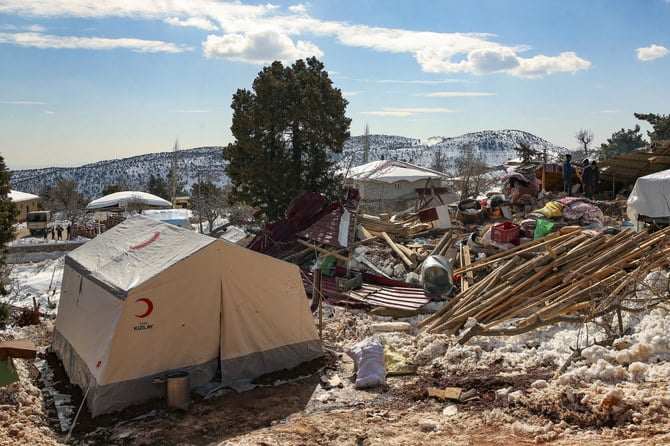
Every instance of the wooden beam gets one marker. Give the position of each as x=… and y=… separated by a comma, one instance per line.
x=398, y=251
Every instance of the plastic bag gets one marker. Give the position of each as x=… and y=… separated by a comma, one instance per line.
x=368, y=356
x=542, y=228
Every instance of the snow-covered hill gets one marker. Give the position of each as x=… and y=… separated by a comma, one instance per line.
x=206, y=163
x=494, y=146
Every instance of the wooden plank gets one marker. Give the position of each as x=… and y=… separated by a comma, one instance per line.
x=397, y=250
x=21, y=348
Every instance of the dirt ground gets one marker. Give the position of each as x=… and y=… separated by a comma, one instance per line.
x=324, y=407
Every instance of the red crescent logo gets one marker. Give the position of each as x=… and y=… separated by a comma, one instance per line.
x=148, y=242
x=150, y=307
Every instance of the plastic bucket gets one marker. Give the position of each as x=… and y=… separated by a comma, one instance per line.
x=178, y=390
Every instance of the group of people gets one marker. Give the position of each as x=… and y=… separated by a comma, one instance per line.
x=590, y=176
x=57, y=231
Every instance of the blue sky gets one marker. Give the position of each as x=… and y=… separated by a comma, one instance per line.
x=88, y=80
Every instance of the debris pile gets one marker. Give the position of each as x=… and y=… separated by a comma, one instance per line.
x=574, y=277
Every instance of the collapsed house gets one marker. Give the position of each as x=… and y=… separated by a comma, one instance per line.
x=147, y=298
x=390, y=185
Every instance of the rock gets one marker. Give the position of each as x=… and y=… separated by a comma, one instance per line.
x=540, y=384
x=612, y=398
x=450, y=411
x=427, y=425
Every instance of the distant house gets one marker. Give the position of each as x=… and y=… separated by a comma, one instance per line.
x=181, y=202
x=388, y=185
x=25, y=203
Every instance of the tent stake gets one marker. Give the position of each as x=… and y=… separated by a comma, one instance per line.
x=83, y=400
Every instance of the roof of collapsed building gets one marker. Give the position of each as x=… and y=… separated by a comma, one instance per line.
x=625, y=169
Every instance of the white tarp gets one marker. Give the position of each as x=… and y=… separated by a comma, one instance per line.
x=179, y=217
x=122, y=199
x=392, y=171
x=650, y=197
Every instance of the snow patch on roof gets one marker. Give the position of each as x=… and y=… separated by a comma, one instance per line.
x=121, y=199
x=17, y=197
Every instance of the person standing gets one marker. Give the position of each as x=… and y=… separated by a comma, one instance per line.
x=588, y=181
x=59, y=231
x=580, y=173
x=568, y=172
x=594, y=178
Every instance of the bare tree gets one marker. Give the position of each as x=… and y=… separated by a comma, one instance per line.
x=585, y=137
x=207, y=202
x=64, y=197
x=471, y=172
x=439, y=161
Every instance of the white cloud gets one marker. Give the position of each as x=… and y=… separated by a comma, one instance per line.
x=651, y=52
x=43, y=41
x=299, y=9
x=473, y=53
x=36, y=28
x=418, y=82
x=457, y=94
x=247, y=33
x=492, y=60
x=195, y=22
x=401, y=112
x=259, y=47
x=32, y=28
x=22, y=103
x=539, y=66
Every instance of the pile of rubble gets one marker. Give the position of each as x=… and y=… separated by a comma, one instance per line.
x=510, y=268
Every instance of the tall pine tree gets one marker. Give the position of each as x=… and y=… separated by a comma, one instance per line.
x=286, y=133
x=8, y=213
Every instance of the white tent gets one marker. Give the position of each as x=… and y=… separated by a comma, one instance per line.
x=147, y=298
x=650, y=197
x=123, y=199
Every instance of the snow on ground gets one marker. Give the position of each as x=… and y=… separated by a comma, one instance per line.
x=40, y=281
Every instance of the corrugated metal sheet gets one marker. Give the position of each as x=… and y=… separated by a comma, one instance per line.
x=404, y=298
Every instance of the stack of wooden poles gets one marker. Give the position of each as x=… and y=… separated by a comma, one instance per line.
x=576, y=274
